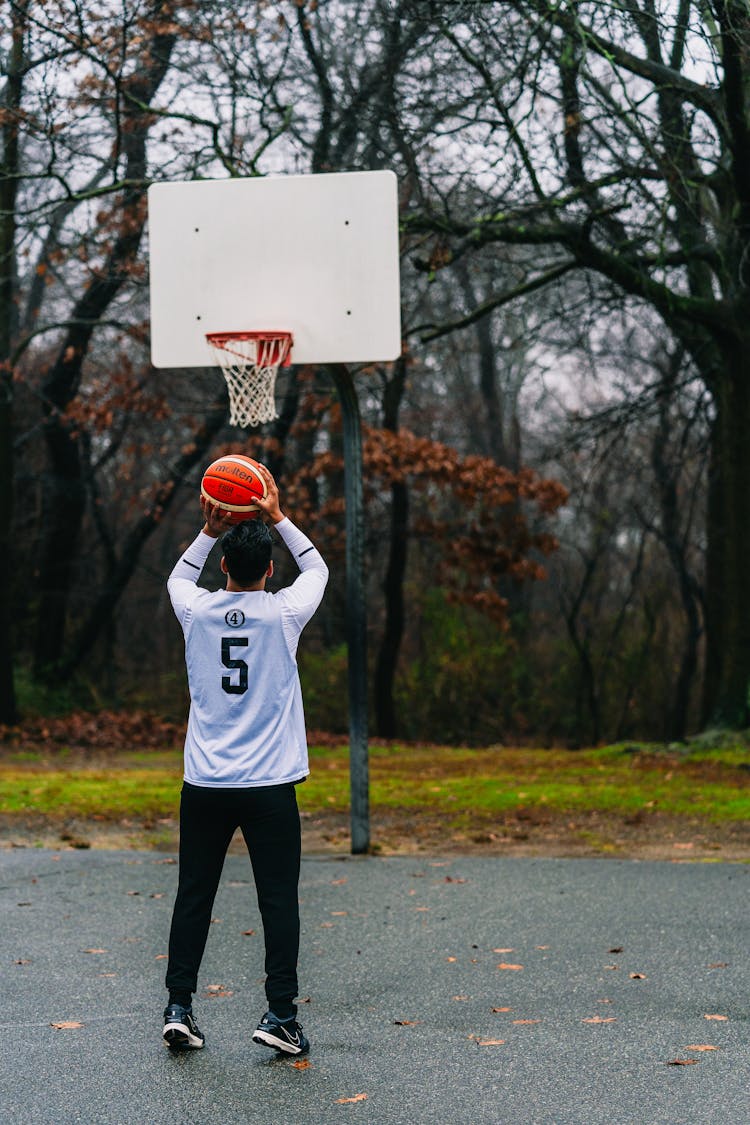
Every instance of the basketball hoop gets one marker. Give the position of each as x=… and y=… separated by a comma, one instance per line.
x=250, y=361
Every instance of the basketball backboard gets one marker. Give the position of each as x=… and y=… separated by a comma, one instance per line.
x=314, y=255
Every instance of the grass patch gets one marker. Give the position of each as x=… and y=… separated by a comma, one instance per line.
x=114, y=794
x=709, y=784
x=608, y=780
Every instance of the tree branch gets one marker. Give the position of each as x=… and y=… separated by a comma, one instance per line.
x=659, y=74
x=434, y=332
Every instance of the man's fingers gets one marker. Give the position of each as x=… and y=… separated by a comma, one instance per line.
x=267, y=476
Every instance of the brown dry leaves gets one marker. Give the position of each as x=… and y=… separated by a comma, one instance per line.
x=102, y=730
x=354, y=1098
x=694, y=1047
x=217, y=990
x=66, y=1025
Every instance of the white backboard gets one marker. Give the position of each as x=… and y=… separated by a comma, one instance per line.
x=313, y=255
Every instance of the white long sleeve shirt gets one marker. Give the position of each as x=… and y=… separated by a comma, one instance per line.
x=246, y=726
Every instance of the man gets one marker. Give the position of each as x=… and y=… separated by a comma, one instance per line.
x=245, y=750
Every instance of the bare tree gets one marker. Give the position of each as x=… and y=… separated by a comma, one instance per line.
x=626, y=138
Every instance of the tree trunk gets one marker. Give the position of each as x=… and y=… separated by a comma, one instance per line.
x=728, y=535
x=64, y=494
x=101, y=612
x=386, y=721
x=667, y=474
x=393, y=588
x=64, y=506
x=10, y=110
x=7, y=691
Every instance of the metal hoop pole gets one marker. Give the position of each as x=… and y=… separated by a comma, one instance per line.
x=356, y=610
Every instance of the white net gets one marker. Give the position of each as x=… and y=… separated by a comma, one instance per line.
x=250, y=363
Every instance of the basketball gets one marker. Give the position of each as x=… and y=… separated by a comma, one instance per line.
x=234, y=483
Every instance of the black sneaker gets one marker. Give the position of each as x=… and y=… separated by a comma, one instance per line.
x=180, y=1028
x=286, y=1037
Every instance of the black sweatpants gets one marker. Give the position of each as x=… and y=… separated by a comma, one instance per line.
x=269, y=820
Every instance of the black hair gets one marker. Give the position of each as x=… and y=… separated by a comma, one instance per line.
x=247, y=551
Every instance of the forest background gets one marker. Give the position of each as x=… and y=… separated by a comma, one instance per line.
x=557, y=474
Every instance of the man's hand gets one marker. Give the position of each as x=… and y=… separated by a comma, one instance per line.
x=218, y=520
x=270, y=506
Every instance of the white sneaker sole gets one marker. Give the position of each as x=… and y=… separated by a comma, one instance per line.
x=180, y=1035
x=266, y=1039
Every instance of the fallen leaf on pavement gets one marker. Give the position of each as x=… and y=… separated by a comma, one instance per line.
x=460, y=997
x=161, y=957
x=719, y=965
x=716, y=1017
x=501, y=1009
x=502, y=950
x=355, y=1098
x=600, y=1019
x=213, y=990
x=637, y=976
x=64, y=1025
x=406, y=1023
x=487, y=1042
x=248, y=933
x=700, y=1047
x=301, y=1064
x=95, y=951
x=682, y=1062
x=504, y=965
x=22, y=961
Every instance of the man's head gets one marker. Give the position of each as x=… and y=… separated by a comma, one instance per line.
x=247, y=552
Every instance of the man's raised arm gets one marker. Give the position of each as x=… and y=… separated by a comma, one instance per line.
x=187, y=570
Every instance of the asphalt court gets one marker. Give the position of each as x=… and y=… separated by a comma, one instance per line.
x=434, y=989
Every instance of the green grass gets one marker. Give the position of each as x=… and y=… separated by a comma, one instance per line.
x=105, y=794
x=710, y=784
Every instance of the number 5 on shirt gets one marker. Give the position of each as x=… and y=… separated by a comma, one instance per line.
x=230, y=686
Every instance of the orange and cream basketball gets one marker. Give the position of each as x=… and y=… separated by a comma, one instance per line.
x=234, y=483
